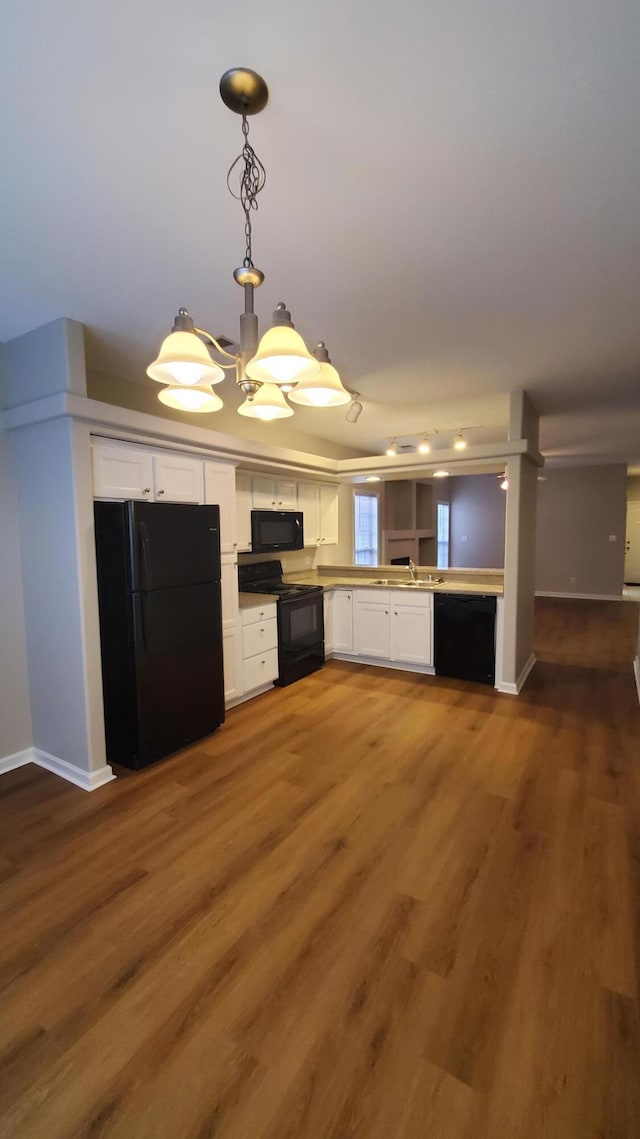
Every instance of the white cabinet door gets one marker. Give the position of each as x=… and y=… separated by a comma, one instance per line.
x=229, y=591
x=220, y=489
x=274, y=494
x=309, y=504
x=286, y=495
x=121, y=472
x=411, y=633
x=372, y=629
x=329, y=515
x=177, y=479
x=327, y=604
x=243, y=511
x=232, y=662
x=343, y=621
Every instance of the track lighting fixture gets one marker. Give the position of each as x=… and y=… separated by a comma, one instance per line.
x=459, y=443
x=392, y=449
x=354, y=409
x=280, y=361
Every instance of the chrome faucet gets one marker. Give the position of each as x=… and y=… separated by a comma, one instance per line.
x=412, y=570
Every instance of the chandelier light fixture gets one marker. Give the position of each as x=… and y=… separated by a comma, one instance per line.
x=280, y=361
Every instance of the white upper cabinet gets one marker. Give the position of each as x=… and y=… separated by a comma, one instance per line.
x=121, y=472
x=309, y=504
x=243, y=511
x=329, y=515
x=319, y=506
x=274, y=494
x=177, y=479
x=138, y=472
x=220, y=489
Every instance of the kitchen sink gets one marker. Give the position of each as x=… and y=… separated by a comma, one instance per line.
x=421, y=583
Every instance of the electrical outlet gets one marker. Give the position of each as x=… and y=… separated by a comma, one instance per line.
x=308, y=561
x=613, y=537
x=572, y=581
x=464, y=537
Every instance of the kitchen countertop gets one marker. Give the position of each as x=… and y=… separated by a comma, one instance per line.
x=253, y=600
x=339, y=580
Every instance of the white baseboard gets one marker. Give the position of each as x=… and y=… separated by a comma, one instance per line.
x=18, y=759
x=515, y=689
x=636, y=673
x=87, y=780
x=582, y=596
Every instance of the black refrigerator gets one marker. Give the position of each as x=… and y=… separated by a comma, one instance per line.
x=160, y=626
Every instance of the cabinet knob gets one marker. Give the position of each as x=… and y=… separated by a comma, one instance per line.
x=147, y=490
x=235, y=545
x=160, y=492
x=395, y=613
x=386, y=612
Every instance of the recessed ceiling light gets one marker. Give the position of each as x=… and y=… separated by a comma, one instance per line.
x=372, y=478
x=441, y=474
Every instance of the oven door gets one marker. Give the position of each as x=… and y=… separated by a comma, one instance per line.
x=301, y=623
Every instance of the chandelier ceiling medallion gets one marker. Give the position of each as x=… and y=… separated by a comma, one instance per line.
x=264, y=370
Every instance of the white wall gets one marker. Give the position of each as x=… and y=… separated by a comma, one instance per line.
x=578, y=509
x=15, y=713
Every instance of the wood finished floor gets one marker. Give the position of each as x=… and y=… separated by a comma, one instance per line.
x=373, y=905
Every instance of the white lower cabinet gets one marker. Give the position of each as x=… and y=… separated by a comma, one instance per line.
x=259, y=646
x=232, y=661
x=391, y=626
x=342, y=621
x=327, y=605
x=372, y=625
x=411, y=637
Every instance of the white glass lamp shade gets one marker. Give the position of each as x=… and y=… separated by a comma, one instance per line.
x=196, y=397
x=323, y=390
x=268, y=403
x=282, y=358
x=184, y=359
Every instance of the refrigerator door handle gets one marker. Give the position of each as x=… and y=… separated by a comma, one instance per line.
x=143, y=620
x=144, y=542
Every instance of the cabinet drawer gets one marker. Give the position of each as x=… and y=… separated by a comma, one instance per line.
x=258, y=613
x=260, y=637
x=260, y=669
x=412, y=599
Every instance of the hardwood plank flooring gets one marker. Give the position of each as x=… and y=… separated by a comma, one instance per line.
x=373, y=905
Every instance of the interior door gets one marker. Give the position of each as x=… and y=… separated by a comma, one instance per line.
x=632, y=545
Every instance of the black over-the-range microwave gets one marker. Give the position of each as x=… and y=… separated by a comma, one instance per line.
x=274, y=530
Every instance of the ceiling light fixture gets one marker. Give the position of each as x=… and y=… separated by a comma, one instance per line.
x=281, y=357
x=441, y=474
x=504, y=485
x=354, y=409
x=372, y=478
x=424, y=447
x=459, y=443
x=392, y=449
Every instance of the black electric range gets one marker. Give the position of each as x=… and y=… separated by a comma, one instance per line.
x=300, y=619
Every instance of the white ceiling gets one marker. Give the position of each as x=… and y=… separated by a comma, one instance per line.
x=452, y=203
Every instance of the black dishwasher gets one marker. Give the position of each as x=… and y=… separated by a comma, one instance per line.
x=465, y=636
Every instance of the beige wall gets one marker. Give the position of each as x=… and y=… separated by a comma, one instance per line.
x=633, y=488
x=476, y=522
x=578, y=508
x=143, y=397
x=15, y=712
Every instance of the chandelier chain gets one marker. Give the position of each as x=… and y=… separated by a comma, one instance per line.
x=252, y=180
